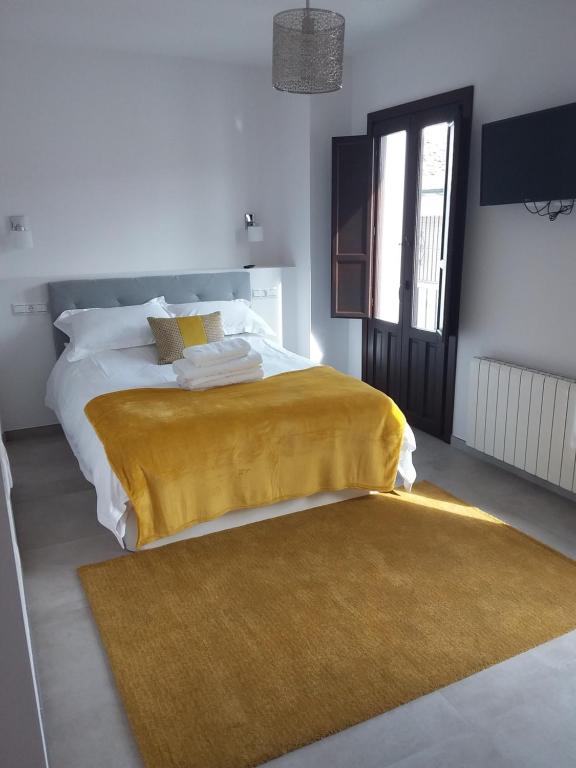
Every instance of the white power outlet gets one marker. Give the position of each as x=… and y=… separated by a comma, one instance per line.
x=29, y=309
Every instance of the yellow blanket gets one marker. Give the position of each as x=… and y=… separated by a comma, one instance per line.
x=185, y=457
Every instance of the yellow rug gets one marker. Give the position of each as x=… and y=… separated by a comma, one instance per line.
x=234, y=648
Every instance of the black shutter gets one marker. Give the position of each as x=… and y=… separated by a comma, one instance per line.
x=352, y=226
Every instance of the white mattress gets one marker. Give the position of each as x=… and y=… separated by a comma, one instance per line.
x=72, y=385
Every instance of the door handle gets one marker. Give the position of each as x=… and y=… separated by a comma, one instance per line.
x=407, y=286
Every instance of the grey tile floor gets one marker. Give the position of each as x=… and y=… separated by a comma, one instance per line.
x=521, y=713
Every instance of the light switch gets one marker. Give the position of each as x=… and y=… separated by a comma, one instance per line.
x=259, y=293
x=29, y=309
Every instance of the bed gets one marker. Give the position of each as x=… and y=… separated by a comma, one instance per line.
x=72, y=385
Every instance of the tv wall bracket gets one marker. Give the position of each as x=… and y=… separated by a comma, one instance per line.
x=550, y=208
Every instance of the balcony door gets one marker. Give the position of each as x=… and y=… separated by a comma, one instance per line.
x=412, y=258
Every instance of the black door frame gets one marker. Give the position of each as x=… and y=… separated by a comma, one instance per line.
x=461, y=99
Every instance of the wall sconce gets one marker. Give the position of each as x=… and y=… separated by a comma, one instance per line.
x=255, y=231
x=19, y=234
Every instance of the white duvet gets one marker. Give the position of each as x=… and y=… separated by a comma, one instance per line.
x=72, y=385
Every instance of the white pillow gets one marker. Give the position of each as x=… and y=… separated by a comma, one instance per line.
x=237, y=315
x=96, y=330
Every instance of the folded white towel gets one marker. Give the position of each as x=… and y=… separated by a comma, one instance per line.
x=254, y=374
x=208, y=378
x=217, y=352
x=188, y=370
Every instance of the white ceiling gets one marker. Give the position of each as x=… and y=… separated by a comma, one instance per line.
x=228, y=30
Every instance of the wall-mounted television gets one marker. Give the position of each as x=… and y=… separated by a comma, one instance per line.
x=530, y=157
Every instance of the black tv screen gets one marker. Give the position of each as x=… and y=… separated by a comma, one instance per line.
x=531, y=157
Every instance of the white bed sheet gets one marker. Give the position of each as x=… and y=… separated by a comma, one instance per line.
x=72, y=385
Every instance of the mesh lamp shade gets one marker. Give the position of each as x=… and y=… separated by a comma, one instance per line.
x=308, y=50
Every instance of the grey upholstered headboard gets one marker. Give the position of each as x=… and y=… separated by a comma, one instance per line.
x=124, y=291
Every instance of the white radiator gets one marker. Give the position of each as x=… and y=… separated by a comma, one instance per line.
x=525, y=418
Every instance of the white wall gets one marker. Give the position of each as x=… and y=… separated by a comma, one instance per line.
x=135, y=164
x=519, y=283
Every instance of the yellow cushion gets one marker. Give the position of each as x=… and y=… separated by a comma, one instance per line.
x=174, y=334
x=192, y=330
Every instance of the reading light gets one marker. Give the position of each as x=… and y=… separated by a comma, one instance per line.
x=255, y=231
x=19, y=235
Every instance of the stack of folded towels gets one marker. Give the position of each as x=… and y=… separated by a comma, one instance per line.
x=218, y=364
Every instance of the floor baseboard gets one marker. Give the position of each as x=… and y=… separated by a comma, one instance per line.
x=48, y=430
x=457, y=442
